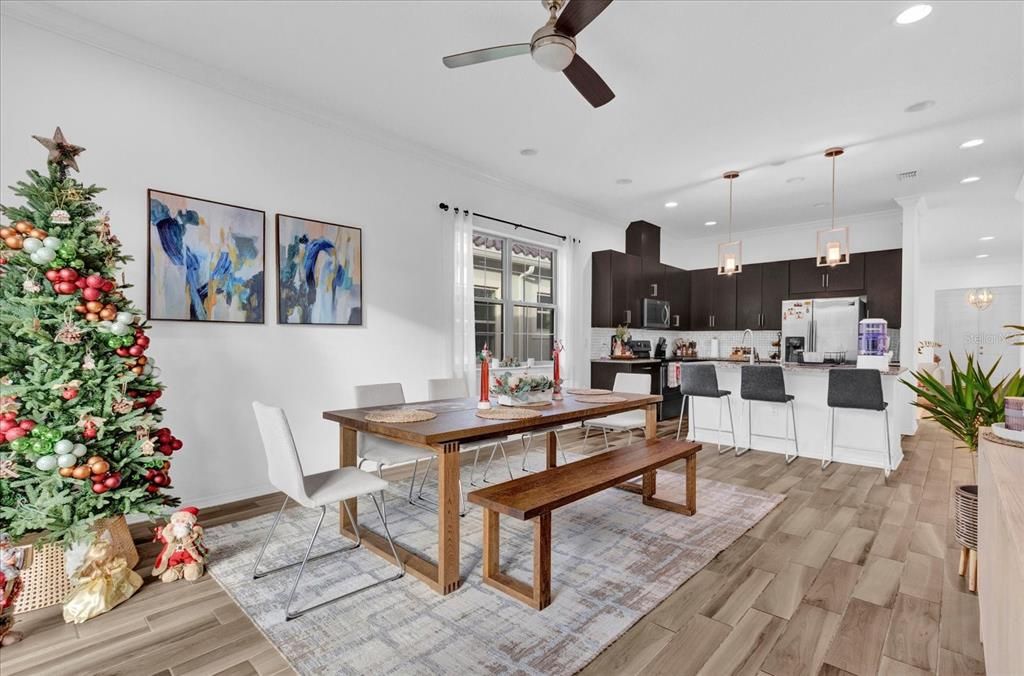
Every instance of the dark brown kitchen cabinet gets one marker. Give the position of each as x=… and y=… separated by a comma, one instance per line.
x=616, y=286
x=712, y=300
x=805, y=277
x=774, y=287
x=883, y=283
x=654, y=279
x=748, y=297
x=678, y=281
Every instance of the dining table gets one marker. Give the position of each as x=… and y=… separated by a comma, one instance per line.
x=457, y=423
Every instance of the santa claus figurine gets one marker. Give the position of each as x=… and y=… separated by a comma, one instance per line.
x=183, y=554
x=12, y=561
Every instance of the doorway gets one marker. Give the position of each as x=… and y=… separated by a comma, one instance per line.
x=964, y=329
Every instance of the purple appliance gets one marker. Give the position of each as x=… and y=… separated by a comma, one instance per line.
x=873, y=337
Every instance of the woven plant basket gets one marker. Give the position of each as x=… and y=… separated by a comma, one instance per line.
x=46, y=583
x=965, y=500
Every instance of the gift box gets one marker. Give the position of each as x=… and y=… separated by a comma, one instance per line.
x=1014, y=409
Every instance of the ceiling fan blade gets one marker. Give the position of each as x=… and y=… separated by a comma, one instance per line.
x=489, y=54
x=577, y=14
x=588, y=82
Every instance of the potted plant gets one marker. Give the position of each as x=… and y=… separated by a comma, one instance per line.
x=522, y=390
x=970, y=402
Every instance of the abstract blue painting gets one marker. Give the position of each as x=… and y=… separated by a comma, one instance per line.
x=206, y=260
x=319, y=272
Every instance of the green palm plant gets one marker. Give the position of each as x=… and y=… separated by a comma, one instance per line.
x=971, y=401
x=1016, y=338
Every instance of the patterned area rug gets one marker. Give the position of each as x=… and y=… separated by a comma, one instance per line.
x=613, y=561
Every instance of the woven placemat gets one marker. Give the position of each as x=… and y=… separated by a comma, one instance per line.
x=507, y=413
x=538, y=404
x=992, y=436
x=585, y=391
x=400, y=415
x=603, y=399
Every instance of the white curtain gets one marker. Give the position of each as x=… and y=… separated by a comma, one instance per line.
x=464, y=322
x=570, y=321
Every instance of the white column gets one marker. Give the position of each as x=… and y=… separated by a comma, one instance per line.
x=914, y=305
x=1020, y=198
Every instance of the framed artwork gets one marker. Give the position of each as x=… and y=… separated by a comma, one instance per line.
x=206, y=260
x=319, y=272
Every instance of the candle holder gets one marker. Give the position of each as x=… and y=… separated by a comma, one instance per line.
x=485, y=378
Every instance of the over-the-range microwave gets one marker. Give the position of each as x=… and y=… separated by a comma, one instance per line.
x=656, y=314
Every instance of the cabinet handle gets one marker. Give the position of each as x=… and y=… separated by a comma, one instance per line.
x=826, y=280
x=654, y=289
x=823, y=280
x=676, y=323
x=629, y=316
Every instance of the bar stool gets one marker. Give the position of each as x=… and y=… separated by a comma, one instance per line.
x=856, y=389
x=700, y=380
x=766, y=383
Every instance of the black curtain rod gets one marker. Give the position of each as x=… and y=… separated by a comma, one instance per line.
x=444, y=207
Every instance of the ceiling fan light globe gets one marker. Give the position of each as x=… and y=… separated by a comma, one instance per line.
x=553, y=52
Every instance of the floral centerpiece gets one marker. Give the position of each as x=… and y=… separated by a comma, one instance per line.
x=522, y=390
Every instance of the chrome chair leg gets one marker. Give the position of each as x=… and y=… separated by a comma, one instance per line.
x=498, y=446
x=825, y=462
x=750, y=428
x=796, y=444
x=256, y=574
x=380, y=475
x=412, y=481
x=586, y=433
x=527, y=441
x=292, y=614
x=561, y=448
x=604, y=431
x=423, y=481
x=888, y=445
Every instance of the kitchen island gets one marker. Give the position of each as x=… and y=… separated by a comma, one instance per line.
x=859, y=438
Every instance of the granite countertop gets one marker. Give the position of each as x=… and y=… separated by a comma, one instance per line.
x=608, y=360
x=894, y=369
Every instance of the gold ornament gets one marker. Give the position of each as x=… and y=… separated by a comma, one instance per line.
x=121, y=406
x=68, y=333
x=31, y=286
x=88, y=363
x=62, y=153
x=8, y=402
x=8, y=470
x=60, y=217
x=148, y=447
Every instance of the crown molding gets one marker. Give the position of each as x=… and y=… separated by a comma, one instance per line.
x=45, y=15
x=791, y=228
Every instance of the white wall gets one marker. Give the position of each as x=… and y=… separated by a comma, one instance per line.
x=145, y=128
x=868, y=232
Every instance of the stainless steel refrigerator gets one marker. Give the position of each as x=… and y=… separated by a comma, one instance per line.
x=823, y=329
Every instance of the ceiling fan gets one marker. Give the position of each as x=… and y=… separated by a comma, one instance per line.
x=553, y=47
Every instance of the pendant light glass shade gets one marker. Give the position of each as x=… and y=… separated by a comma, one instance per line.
x=980, y=298
x=833, y=247
x=730, y=254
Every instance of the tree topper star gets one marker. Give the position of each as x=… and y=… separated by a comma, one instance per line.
x=62, y=153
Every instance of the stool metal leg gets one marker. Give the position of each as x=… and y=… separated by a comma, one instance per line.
x=586, y=433
x=732, y=421
x=830, y=424
x=682, y=412
x=791, y=404
x=750, y=429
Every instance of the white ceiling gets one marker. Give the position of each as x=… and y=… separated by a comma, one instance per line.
x=702, y=87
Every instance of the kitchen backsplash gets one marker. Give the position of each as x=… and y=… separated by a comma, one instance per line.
x=601, y=340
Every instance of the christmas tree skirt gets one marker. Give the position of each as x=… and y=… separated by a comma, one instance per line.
x=613, y=561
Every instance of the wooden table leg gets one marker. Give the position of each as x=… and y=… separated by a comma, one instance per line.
x=651, y=422
x=347, y=458
x=552, y=449
x=691, y=483
x=492, y=543
x=448, y=517
x=542, y=561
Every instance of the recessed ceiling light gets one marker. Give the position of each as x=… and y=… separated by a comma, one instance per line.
x=671, y=205
x=970, y=179
x=710, y=223
x=528, y=152
x=919, y=106
x=795, y=179
x=623, y=181
x=913, y=14
x=982, y=256
x=777, y=163
x=973, y=143
x=819, y=205
x=986, y=238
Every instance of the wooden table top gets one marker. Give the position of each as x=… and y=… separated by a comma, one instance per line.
x=457, y=420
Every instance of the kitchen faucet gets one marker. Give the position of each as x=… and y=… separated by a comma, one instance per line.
x=743, y=342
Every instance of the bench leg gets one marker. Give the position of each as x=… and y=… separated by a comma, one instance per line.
x=650, y=488
x=538, y=595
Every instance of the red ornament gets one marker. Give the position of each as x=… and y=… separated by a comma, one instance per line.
x=112, y=481
x=52, y=275
x=69, y=393
x=176, y=444
x=6, y=424
x=142, y=341
x=135, y=351
x=108, y=286
x=67, y=274
x=27, y=425
x=90, y=293
x=89, y=432
x=65, y=288
x=80, y=282
x=14, y=433
x=152, y=488
x=94, y=281
x=122, y=352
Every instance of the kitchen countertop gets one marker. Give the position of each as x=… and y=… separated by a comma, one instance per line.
x=607, y=360
x=894, y=369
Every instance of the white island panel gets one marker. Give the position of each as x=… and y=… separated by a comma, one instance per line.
x=859, y=437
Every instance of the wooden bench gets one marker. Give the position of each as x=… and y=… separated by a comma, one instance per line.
x=535, y=496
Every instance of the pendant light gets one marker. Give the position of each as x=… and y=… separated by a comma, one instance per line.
x=980, y=298
x=730, y=254
x=833, y=247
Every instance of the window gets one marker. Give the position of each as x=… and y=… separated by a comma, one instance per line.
x=514, y=292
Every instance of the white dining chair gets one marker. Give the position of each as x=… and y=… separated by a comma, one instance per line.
x=627, y=421
x=456, y=388
x=378, y=450
x=315, y=491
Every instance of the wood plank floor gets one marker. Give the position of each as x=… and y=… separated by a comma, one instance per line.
x=852, y=574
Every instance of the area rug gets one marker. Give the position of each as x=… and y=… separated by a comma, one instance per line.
x=613, y=561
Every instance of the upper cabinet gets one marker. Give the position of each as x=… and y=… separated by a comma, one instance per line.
x=678, y=281
x=883, y=284
x=616, y=289
x=748, y=297
x=712, y=300
x=805, y=277
x=760, y=290
x=654, y=279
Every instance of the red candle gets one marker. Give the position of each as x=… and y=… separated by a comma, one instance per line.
x=555, y=372
x=485, y=378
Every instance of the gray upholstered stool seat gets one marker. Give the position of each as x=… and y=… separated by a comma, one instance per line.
x=701, y=380
x=859, y=389
x=766, y=383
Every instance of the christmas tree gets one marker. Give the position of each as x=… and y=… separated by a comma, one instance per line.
x=79, y=419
